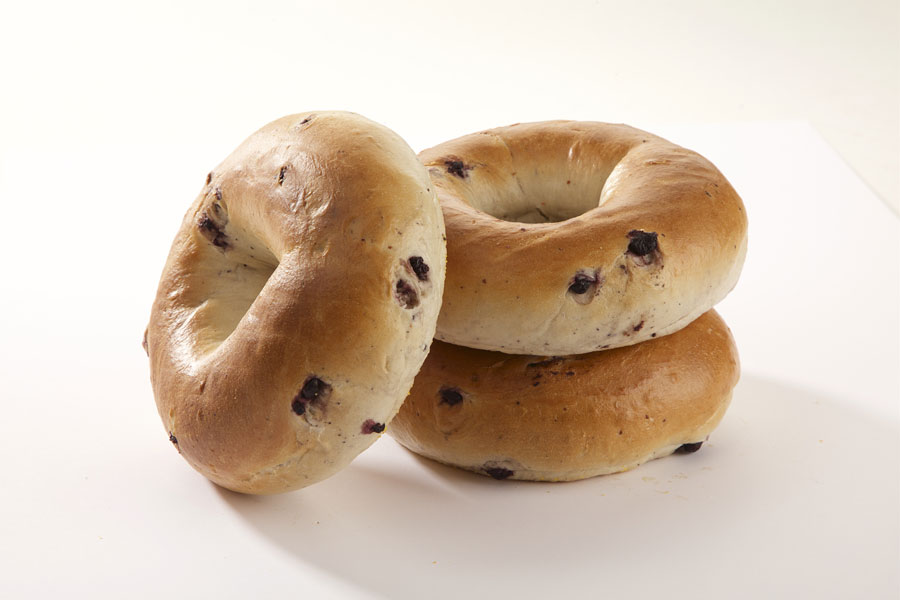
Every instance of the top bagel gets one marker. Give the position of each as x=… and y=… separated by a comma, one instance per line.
x=567, y=237
x=298, y=302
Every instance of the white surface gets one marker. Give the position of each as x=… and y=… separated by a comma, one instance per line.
x=214, y=70
x=769, y=509
x=111, y=118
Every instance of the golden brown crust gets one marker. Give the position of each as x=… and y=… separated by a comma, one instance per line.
x=567, y=418
x=293, y=311
x=510, y=276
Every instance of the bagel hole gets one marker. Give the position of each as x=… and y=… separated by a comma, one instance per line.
x=567, y=182
x=233, y=280
x=533, y=210
x=543, y=196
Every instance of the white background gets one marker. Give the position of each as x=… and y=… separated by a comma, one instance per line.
x=111, y=116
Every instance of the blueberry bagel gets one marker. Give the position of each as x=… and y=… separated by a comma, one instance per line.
x=567, y=237
x=568, y=418
x=299, y=300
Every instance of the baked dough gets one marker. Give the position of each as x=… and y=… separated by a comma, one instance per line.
x=568, y=418
x=298, y=302
x=567, y=237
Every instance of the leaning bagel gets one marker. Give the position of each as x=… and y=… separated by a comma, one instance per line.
x=298, y=302
x=568, y=418
x=567, y=237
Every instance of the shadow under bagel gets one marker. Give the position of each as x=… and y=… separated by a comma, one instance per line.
x=401, y=526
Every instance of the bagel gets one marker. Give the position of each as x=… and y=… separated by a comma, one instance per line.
x=298, y=302
x=568, y=237
x=568, y=418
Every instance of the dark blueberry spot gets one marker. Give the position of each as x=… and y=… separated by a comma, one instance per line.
x=173, y=439
x=218, y=194
x=211, y=231
x=314, y=392
x=281, y=175
x=642, y=243
x=370, y=426
x=419, y=267
x=314, y=388
x=652, y=335
x=581, y=283
x=450, y=396
x=457, y=167
x=545, y=362
x=639, y=326
x=498, y=472
x=689, y=448
x=406, y=294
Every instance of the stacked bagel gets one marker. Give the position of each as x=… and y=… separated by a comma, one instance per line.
x=578, y=264
x=577, y=331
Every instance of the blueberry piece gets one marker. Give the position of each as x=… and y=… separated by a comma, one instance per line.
x=457, y=167
x=371, y=426
x=419, y=267
x=581, y=283
x=406, y=294
x=642, y=243
x=450, y=396
x=314, y=391
x=689, y=448
x=498, y=472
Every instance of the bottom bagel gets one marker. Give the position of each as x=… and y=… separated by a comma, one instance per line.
x=568, y=418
